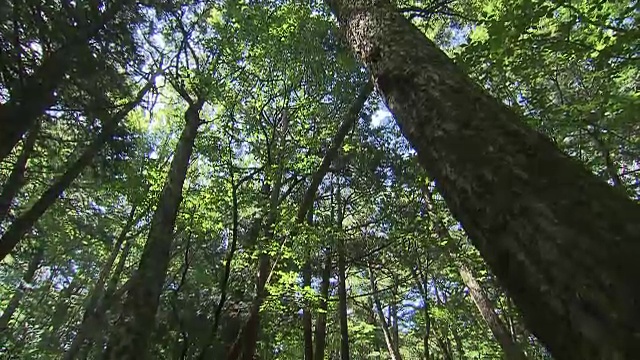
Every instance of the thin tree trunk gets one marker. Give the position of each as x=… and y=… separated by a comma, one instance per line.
x=321, y=322
x=252, y=329
x=129, y=339
x=27, y=278
x=349, y=119
x=513, y=191
x=511, y=350
x=16, y=179
x=307, y=321
x=246, y=341
x=342, y=284
x=232, y=249
x=393, y=308
x=443, y=339
x=610, y=165
x=90, y=318
x=51, y=339
x=422, y=285
x=25, y=222
x=394, y=354
x=111, y=294
x=443, y=343
x=307, y=326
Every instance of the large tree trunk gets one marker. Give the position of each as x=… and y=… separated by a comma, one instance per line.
x=25, y=222
x=562, y=242
x=130, y=335
x=321, y=321
x=16, y=179
x=90, y=318
x=27, y=278
x=511, y=350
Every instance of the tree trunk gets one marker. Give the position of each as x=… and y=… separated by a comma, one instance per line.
x=392, y=348
x=27, y=278
x=90, y=318
x=393, y=308
x=342, y=284
x=232, y=249
x=307, y=321
x=16, y=179
x=511, y=350
x=422, y=285
x=23, y=224
x=51, y=339
x=129, y=339
x=321, y=322
x=562, y=242
x=111, y=294
x=248, y=336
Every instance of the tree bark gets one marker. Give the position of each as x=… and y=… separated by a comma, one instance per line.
x=321, y=322
x=27, y=278
x=129, y=339
x=25, y=222
x=16, y=179
x=511, y=350
x=561, y=241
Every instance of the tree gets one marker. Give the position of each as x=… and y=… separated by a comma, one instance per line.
x=495, y=172
x=260, y=200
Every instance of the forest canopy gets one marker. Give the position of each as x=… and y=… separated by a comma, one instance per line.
x=366, y=179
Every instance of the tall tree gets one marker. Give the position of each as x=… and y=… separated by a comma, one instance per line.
x=513, y=191
x=130, y=337
x=20, y=226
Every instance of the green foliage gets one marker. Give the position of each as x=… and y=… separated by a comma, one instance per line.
x=277, y=81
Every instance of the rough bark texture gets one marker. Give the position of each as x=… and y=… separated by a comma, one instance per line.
x=25, y=222
x=511, y=350
x=562, y=242
x=130, y=335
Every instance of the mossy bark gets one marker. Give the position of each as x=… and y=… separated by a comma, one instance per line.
x=562, y=242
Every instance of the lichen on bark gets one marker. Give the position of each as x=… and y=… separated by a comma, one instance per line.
x=563, y=243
